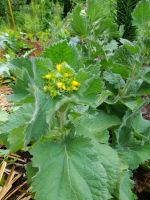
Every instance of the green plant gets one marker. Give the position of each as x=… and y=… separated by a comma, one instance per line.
x=86, y=141
x=142, y=22
x=124, y=17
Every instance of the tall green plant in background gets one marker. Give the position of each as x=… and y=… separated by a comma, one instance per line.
x=11, y=13
x=124, y=17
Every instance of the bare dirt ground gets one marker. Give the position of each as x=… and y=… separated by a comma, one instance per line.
x=4, y=105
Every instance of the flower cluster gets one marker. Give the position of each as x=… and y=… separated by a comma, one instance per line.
x=61, y=79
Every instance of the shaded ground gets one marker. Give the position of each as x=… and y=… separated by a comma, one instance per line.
x=142, y=183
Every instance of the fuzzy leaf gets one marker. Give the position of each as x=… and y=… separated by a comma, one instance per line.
x=71, y=171
x=110, y=161
x=3, y=116
x=141, y=14
x=94, y=124
x=18, y=118
x=61, y=52
x=90, y=90
x=125, y=187
x=38, y=125
x=16, y=139
x=79, y=22
x=134, y=156
x=114, y=79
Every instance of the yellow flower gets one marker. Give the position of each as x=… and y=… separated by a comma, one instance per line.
x=63, y=87
x=59, y=67
x=48, y=76
x=66, y=75
x=74, y=88
x=75, y=83
x=59, y=85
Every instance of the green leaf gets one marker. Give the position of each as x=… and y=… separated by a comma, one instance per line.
x=132, y=102
x=144, y=89
x=110, y=161
x=141, y=125
x=30, y=172
x=16, y=139
x=125, y=187
x=79, y=22
x=114, y=79
x=71, y=171
x=96, y=11
x=90, y=89
x=94, y=126
x=19, y=64
x=136, y=155
x=89, y=124
x=131, y=47
x=141, y=14
x=18, y=118
x=107, y=27
x=38, y=126
x=61, y=52
x=145, y=74
x=3, y=116
x=21, y=87
x=93, y=10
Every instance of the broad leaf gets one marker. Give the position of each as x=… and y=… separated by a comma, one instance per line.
x=71, y=171
x=89, y=125
x=38, y=126
x=3, y=116
x=141, y=125
x=141, y=14
x=110, y=161
x=134, y=156
x=79, y=22
x=114, y=79
x=98, y=9
x=61, y=52
x=16, y=139
x=93, y=127
x=18, y=118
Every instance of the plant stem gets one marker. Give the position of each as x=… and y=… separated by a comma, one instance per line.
x=11, y=13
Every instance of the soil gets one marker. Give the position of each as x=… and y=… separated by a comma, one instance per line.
x=4, y=105
x=142, y=183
